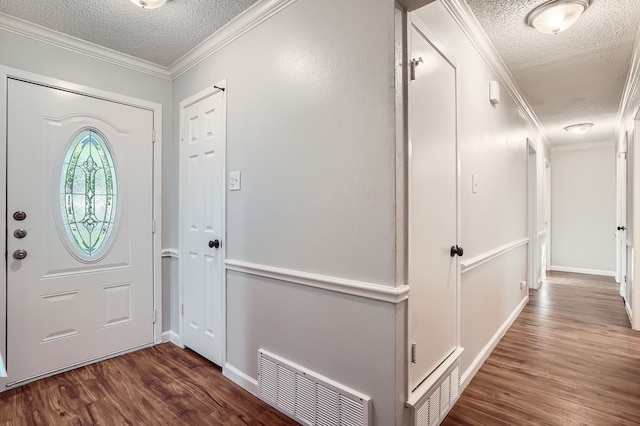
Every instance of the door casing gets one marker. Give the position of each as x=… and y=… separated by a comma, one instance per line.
x=8, y=72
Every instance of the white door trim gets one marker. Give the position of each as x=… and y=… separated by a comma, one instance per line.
x=223, y=247
x=532, y=216
x=8, y=72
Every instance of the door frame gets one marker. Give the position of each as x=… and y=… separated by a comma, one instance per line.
x=5, y=74
x=209, y=91
x=532, y=215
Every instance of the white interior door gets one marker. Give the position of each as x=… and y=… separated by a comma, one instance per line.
x=621, y=234
x=433, y=271
x=79, y=220
x=202, y=189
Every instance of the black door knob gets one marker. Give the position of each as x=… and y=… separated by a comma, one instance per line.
x=621, y=228
x=214, y=243
x=456, y=250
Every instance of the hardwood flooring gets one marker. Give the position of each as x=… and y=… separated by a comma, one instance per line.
x=161, y=385
x=570, y=358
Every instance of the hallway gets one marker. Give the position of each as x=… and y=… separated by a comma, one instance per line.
x=570, y=358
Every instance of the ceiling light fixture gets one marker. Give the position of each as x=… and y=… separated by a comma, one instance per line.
x=149, y=4
x=555, y=16
x=579, y=129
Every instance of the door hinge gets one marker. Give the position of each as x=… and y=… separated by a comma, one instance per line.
x=154, y=316
x=414, y=350
x=181, y=134
x=153, y=135
x=625, y=278
x=412, y=67
x=182, y=309
x=153, y=226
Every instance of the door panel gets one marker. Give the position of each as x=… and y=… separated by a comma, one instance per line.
x=66, y=308
x=202, y=191
x=432, y=209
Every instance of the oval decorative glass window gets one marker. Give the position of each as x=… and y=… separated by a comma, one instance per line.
x=88, y=194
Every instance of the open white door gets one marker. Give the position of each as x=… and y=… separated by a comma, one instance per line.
x=80, y=229
x=202, y=220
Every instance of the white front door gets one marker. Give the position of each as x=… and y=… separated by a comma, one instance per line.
x=433, y=269
x=202, y=180
x=79, y=229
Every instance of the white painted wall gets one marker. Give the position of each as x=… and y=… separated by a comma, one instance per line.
x=311, y=126
x=583, y=210
x=493, y=146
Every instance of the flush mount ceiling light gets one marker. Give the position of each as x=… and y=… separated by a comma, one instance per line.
x=149, y=4
x=555, y=16
x=579, y=129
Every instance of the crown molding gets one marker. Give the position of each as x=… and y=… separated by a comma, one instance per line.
x=73, y=44
x=628, y=109
x=464, y=17
x=249, y=19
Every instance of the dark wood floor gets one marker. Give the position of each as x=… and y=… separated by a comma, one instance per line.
x=570, y=358
x=162, y=385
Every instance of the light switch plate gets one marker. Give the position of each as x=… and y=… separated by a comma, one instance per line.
x=234, y=181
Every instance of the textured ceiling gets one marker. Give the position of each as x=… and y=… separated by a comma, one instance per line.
x=160, y=36
x=575, y=76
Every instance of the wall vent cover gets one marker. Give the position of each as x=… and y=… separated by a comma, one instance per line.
x=439, y=400
x=308, y=397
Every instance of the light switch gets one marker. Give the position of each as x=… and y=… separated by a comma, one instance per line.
x=234, y=181
x=474, y=184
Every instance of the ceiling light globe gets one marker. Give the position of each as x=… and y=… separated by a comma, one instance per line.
x=579, y=129
x=555, y=16
x=149, y=4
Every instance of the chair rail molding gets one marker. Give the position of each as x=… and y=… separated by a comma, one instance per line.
x=485, y=257
x=373, y=291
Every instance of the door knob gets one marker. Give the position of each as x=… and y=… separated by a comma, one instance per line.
x=214, y=243
x=19, y=254
x=456, y=250
x=19, y=215
x=621, y=228
x=20, y=233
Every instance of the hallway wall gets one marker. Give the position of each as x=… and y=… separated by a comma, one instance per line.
x=311, y=126
x=583, y=210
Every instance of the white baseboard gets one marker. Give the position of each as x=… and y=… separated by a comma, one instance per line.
x=171, y=336
x=584, y=271
x=490, y=346
x=629, y=311
x=240, y=378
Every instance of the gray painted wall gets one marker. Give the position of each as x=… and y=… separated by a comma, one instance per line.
x=311, y=126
